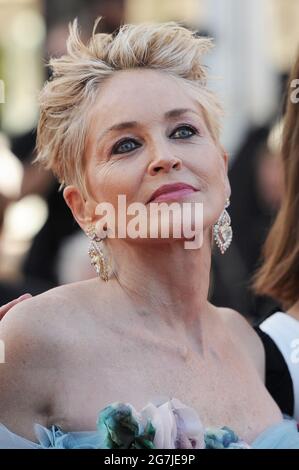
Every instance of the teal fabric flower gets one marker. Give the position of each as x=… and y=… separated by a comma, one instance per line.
x=223, y=438
x=122, y=428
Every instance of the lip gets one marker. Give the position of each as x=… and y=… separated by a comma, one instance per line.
x=173, y=191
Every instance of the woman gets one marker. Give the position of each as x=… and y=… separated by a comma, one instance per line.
x=130, y=115
x=278, y=276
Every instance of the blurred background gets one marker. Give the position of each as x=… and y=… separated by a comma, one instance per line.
x=255, y=44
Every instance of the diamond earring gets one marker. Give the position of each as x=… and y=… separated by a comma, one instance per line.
x=223, y=233
x=96, y=254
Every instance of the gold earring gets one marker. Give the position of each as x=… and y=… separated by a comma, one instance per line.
x=96, y=254
x=223, y=233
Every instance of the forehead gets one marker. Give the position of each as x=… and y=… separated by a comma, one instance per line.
x=139, y=94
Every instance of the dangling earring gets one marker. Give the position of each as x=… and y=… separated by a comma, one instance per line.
x=96, y=254
x=223, y=232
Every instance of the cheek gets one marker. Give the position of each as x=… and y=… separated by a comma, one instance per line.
x=108, y=180
x=210, y=168
x=219, y=174
x=209, y=165
x=218, y=180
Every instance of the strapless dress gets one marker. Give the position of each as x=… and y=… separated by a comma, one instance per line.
x=170, y=425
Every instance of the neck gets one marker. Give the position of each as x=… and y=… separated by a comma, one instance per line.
x=165, y=279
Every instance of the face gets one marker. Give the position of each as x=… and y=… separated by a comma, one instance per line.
x=147, y=130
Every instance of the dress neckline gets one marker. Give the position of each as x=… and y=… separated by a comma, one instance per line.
x=167, y=426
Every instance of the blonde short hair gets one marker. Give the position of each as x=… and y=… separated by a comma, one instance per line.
x=78, y=76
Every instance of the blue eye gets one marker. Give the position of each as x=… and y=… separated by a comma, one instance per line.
x=125, y=146
x=183, y=132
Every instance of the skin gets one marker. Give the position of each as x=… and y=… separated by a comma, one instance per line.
x=5, y=308
x=149, y=332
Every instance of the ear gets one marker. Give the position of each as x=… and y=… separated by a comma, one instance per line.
x=227, y=183
x=82, y=209
x=225, y=159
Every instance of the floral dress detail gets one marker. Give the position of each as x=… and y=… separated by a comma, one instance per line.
x=171, y=425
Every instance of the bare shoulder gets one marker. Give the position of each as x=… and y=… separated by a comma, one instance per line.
x=37, y=334
x=246, y=337
x=46, y=321
x=47, y=309
x=35, y=314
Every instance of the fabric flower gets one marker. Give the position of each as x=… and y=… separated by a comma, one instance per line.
x=223, y=438
x=122, y=428
x=177, y=426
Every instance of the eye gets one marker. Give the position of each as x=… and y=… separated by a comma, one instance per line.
x=125, y=146
x=183, y=132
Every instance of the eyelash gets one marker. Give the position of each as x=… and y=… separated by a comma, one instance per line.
x=121, y=142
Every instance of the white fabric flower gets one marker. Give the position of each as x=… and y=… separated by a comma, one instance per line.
x=177, y=426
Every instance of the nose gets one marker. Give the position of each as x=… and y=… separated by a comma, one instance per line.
x=164, y=162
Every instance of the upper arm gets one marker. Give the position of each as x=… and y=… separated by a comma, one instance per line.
x=247, y=338
x=25, y=393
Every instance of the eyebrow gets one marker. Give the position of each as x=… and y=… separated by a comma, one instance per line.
x=173, y=113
